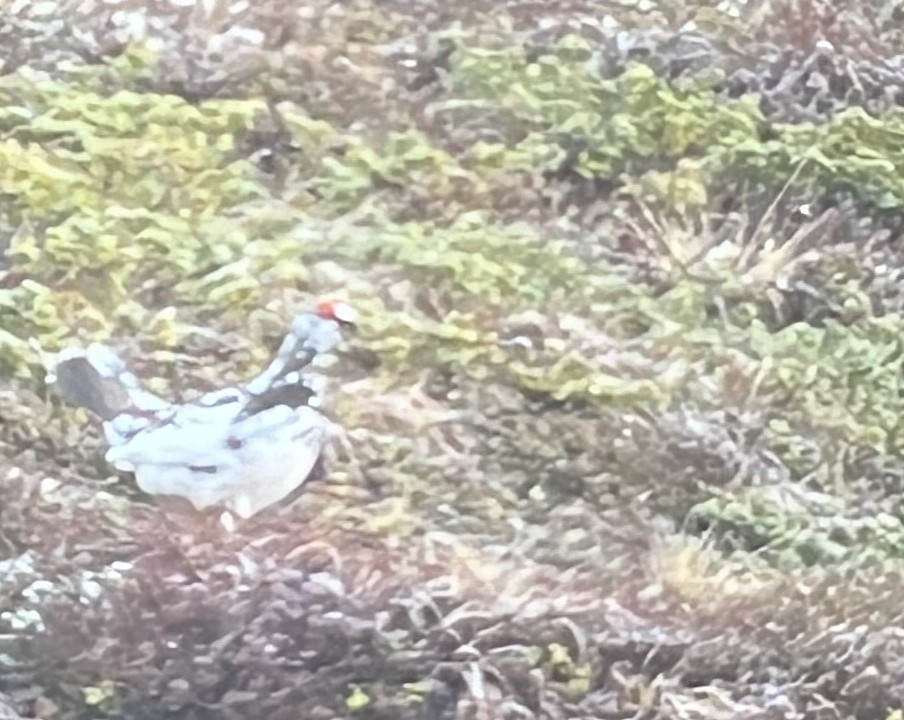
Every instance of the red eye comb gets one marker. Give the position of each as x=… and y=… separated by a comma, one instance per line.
x=336, y=310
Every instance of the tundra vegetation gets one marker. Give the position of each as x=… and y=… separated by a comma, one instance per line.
x=624, y=410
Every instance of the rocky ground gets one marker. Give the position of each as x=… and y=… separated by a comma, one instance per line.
x=624, y=406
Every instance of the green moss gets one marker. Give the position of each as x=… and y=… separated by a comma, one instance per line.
x=357, y=700
x=799, y=527
x=67, y=149
x=127, y=195
x=494, y=263
x=406, y=159
x=555, y=113
x=556, y=110
x=844, y=380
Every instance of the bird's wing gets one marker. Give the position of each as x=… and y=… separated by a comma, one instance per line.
x=192, y=435
x=277, y=457
x=244, y=465
x=210, y=436
x=279, y=423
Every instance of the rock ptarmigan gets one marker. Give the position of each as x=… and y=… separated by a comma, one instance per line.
x=242, y=448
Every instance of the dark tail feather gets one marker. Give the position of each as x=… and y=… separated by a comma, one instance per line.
x=97, y=379
x=80, y=383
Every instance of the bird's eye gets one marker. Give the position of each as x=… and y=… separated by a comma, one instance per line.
x=234, y=443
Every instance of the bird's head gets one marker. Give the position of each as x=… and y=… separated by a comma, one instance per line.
x=337, y=311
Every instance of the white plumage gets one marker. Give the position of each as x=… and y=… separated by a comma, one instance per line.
x=242, y=448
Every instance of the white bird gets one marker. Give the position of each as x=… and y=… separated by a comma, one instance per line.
x=242, y=448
